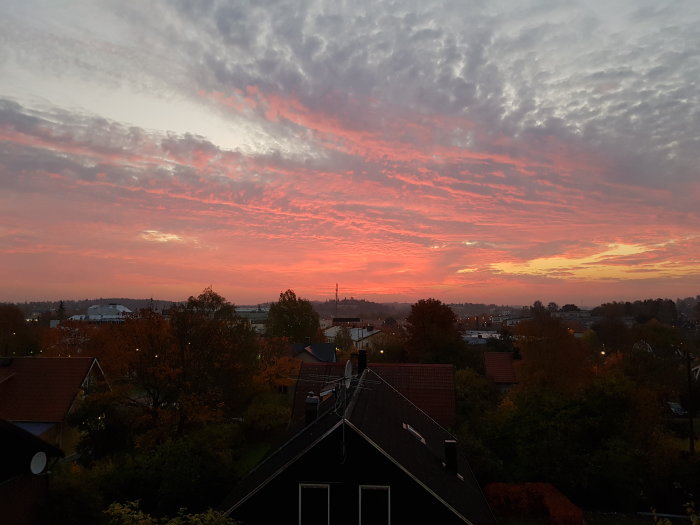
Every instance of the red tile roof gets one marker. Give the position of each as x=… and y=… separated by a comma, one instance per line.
x=41, y=388
x=430, y=387
x=499, y=367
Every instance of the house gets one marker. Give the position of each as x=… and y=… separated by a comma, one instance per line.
x=480, y=337
x=257, y=317
x=366, y=455
x=24, y=460
x=38, y=393
x=360, y=335
x=431, y=387
x=499, y=367
x=314, y=352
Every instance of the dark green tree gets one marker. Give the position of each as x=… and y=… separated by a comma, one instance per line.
x=293, y=318
x=552, y=358
x=433, y=335
x=61, y=312
x=538, y=310
x=217, y=352
x=17, y=336
x=343, y=340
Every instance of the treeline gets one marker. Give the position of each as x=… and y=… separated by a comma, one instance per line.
x=189, y=405
x=590, y=414
x=590, y=411
x=60, y=309
x=663, y=310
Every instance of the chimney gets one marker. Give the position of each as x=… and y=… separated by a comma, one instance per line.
x=361, y=361
x=451, y=456
x=311, y=408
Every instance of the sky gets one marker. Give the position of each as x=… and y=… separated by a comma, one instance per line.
x=494, y=151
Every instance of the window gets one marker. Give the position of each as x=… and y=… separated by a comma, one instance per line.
x=375, y=505
x=314, y=504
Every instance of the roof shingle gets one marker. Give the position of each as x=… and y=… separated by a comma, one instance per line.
x=41, y=388
x=430, y=387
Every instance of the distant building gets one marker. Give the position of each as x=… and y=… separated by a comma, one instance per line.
x=479, y=337
x=346, y=321
x=103, y=313
x=257, y=317
x=360, y=335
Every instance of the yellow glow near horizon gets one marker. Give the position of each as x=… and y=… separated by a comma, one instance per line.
x=597, y=267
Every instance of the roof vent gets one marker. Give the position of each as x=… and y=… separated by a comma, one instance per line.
x=361, y=361
x=311, y=408
x=451, y=456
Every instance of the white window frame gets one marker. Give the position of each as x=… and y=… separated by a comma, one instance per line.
x=386, y=488
x=328, y=498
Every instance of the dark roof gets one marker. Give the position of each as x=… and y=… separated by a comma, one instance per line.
x=380, y=412
x=431, y=387
x=41, y=388
x=323, y=352
x=499, y=367
x=381, y=415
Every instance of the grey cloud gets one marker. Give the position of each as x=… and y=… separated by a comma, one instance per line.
x=574, y=71
x=90, y=149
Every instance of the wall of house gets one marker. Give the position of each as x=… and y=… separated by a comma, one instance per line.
x=22, y=499
x=361, y=464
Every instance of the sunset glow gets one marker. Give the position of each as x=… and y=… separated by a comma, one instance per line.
x=502, y=153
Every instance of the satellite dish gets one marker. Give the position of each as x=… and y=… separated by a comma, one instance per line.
x=348, y=373
x=38, y=463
